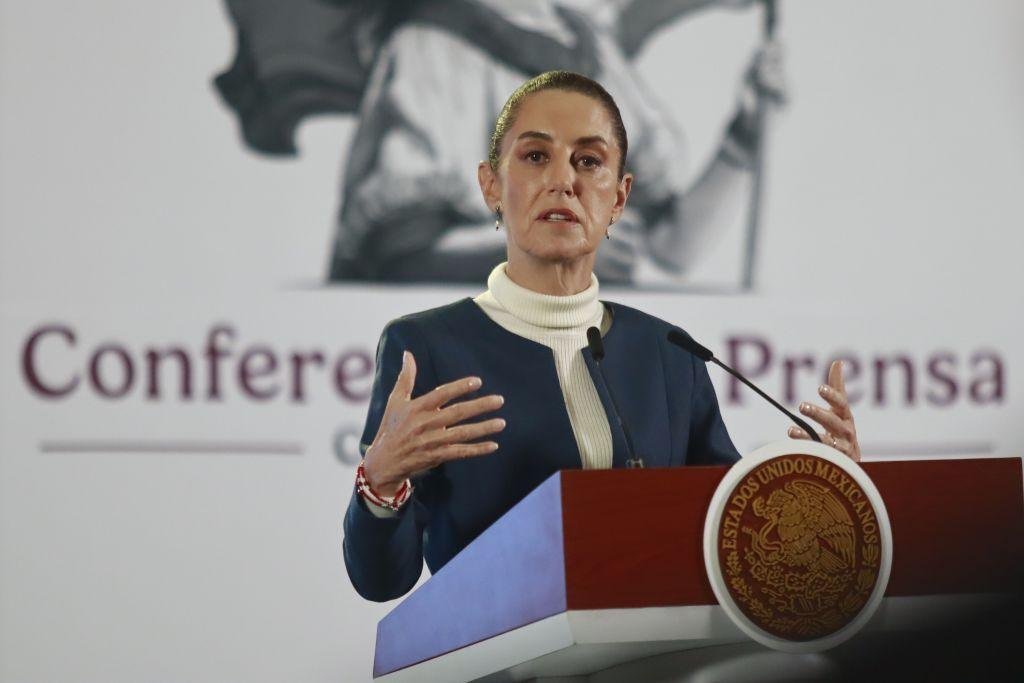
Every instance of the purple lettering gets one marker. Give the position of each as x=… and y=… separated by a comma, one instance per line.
x=352, y=367
x=989, y=388
x=735, y=346
x=127, y=371
x=790, y=366
x=153, y=359
x=882, y=365
x=213, y=355
x=28, y=363
x=941, y=368
x=247, y=373
x=299, y=361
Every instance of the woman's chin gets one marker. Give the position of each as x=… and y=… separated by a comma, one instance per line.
x=569, y=251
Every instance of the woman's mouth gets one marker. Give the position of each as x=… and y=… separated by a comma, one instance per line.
x=558, y=216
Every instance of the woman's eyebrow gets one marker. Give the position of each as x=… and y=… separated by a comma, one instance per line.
x=591, y=139
x=585, y=140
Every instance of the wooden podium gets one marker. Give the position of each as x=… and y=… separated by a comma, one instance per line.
x=597, y=568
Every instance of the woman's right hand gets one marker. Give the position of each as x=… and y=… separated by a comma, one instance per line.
x=416, y=434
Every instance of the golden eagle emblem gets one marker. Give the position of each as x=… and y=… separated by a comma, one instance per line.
x=813, y=530
x=794, y=550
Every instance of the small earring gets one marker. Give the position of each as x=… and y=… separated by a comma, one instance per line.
x=497, y=217
x=607, y=234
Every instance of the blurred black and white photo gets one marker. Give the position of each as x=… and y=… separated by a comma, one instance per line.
x=425, y=81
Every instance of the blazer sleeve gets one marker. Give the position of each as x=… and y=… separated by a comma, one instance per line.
x=709, y=439
x=384, y=555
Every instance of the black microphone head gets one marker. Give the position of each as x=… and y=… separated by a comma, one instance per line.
x=595, y=343
x=686, y=342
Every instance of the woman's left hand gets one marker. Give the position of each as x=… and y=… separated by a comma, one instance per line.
x=837, y=419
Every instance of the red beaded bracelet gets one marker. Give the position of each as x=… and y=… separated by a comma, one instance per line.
x=387, y=502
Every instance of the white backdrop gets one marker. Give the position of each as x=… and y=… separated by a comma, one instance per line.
x=131, y=216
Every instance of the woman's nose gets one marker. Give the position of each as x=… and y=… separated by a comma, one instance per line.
x=561, y=179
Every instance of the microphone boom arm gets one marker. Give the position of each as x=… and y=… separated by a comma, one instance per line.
x=813, y=433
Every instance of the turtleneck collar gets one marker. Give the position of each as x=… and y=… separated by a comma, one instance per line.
x=545, y=310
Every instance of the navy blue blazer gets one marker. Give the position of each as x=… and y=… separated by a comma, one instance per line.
x=664, y=393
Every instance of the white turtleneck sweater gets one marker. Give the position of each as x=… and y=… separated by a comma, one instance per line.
x=559, y=323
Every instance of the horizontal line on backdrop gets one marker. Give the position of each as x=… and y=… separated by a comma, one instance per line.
x=925, y=449
x=171, y=446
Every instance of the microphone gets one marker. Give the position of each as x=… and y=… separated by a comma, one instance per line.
x=597, y=351
x=688, y=343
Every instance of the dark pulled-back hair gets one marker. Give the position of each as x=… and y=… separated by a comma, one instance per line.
x=557, y=80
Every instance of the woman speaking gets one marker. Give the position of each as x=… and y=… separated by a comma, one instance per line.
x=476, y=403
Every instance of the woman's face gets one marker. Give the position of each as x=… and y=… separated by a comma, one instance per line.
x=557, y=180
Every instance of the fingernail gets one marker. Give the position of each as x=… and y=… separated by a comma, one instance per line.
x=805, y=408
x=494, y=446
x=405, y=358
x=501, y=424
x=793, y=431
x=501, y=400
x=474, y=382
x=824, y=390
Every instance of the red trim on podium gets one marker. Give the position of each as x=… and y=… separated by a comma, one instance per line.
x=957, y=525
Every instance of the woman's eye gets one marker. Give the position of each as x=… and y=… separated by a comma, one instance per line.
x=589, y=162
x=535, y=156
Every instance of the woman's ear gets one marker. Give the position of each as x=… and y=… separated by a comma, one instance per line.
x=621, y=195
x=490, y=188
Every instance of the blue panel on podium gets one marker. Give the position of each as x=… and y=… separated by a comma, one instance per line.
x=511, y=575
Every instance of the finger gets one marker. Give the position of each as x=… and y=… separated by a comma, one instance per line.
x=826, y=418
x=798, y=433
x=835, y=376
x=468, y=432
x=448, y=392
x=848, y=447
x=826, y=438
x=837, y=400
x=463, y=410
x=406, y=378
x=457, y=451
